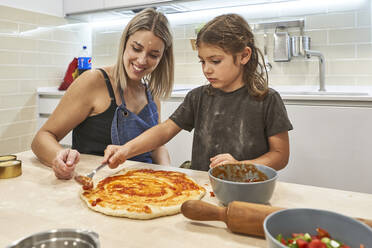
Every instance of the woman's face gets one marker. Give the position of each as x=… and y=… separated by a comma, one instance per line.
x=142, y=54
x=220, y=69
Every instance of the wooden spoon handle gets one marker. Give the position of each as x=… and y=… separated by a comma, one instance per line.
x=200, y=210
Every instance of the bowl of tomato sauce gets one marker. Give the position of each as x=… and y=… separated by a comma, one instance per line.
x=315, y=228
x=243, y=182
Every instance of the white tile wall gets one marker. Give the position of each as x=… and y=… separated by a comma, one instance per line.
x=344, y=37
x=35, y=50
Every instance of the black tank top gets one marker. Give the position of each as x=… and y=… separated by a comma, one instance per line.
x=93, y=135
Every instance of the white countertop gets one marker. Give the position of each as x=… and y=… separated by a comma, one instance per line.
x=36, y=201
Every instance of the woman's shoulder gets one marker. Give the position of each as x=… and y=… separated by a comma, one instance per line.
x=87, y=85
x=89, y=80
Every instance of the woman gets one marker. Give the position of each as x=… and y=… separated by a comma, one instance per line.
x=114, y=104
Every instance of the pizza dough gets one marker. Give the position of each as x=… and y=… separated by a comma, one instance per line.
x=142, y=193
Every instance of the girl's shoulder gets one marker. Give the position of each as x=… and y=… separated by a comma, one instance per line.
x=271, y=93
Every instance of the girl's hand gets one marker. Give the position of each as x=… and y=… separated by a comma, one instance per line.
x=65, y=162
x=221, y=159
x=115, y=155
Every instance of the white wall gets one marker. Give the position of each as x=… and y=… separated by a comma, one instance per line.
x=50, y=7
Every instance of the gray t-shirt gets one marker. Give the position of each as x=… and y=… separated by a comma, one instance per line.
x=230, y=122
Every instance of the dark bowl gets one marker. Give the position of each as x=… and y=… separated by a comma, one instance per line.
x=228, y=184
x=349, y=231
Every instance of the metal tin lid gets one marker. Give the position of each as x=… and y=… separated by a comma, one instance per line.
x=65, y=237
x=9, y=169
x=7, y=158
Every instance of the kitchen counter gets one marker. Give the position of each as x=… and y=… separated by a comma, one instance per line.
x=36, y=201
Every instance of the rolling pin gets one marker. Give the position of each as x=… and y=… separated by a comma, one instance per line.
x=240, y=217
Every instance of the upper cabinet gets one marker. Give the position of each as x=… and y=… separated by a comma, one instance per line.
x=49, y=7
x=81, y=6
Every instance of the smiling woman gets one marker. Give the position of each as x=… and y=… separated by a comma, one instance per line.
x=123, y=99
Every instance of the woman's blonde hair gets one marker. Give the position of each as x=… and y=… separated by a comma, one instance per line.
x=160, y=81
x=232, y=33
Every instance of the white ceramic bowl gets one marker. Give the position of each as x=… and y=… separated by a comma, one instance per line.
x=349, y=231
x=256, y=192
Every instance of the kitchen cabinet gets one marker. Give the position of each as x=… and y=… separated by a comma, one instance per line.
x=50, y=7
x=330, y=147
x=48, y=99
x=72, y=6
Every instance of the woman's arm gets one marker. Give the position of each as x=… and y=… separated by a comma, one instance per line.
x=74, y=107
x=277, y=157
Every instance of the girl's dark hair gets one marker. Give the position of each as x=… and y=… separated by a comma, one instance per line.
x=232, y=33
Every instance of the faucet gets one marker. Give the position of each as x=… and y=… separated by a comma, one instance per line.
x=308, y=54
x=301, y=46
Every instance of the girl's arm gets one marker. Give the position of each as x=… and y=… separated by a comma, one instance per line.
x=278, y=155
x=147, y=141
x=276, y=158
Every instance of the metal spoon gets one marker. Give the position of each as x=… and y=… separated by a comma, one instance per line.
x=266, y=58
x=87, y=181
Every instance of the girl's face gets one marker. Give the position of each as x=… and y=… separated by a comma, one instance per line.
x=220, y=69
x=142, y=54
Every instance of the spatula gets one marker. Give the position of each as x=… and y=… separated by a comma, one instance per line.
x=87, y=181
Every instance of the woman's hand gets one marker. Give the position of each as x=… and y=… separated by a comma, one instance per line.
x=221, y=159
x=115, y=155
x=64, y=163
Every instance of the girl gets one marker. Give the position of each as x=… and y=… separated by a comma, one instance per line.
x=112, y=105
x=236, y=117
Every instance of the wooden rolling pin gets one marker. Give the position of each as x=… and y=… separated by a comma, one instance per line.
x=240, y=217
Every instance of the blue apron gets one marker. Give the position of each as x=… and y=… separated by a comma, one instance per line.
x=127, y=125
